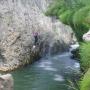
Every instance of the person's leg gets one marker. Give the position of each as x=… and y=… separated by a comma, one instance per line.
x=36, y=40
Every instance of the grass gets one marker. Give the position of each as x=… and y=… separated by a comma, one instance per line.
x=85, y=83
x=85, y=55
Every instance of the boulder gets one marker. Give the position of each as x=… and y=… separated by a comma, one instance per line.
x=6, y=82
x=86, y=36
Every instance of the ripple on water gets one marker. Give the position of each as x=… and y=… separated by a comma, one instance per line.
x=49, y=68
x=58, y=78
x=62, y=55
x=47, y=65
x=77, y=65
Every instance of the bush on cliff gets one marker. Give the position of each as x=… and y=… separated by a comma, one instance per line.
x=85, y=55
x=85, y=83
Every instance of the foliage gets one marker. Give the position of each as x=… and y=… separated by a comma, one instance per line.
x=85, y=55
x=80, y=15
x=66, y=16
x=75, y=13
x=56, y=7
x=79, y=31
x=85, y=83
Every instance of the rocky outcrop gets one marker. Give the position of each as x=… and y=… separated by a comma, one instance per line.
x=6, y=82
x=18, y=20
x=74, y=50
x=86, y=36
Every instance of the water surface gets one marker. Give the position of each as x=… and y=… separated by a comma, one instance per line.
x=49, y=73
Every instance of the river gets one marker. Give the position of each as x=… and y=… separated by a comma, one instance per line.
x=49, y=73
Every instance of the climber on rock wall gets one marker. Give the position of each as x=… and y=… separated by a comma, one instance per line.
x=35, y=35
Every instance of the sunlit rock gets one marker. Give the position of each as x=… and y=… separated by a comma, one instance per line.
x=86, y=36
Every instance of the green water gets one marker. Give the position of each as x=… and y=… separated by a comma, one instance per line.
x=50, y=73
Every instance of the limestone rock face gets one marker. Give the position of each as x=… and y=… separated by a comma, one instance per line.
x=86, y=36
x=6, y=82
x=18, y=20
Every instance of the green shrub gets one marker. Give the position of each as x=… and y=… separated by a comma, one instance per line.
x=79, y=30
x=87, y=2
x=85, y=83
x=87, y=20
x=66, y=17
x=54, y=8
x=60, y=11
x=85, y=55
x=80, y=15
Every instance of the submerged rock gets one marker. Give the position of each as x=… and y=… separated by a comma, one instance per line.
x=18, y=20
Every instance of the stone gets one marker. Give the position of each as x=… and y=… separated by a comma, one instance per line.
x=6, y=82
x=86, y=36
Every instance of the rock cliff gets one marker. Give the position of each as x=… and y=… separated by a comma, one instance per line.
x=18, y=20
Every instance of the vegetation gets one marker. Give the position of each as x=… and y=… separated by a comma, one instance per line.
x=85, y=55
x=76, y=13
x=85, y=83
x=85, y=65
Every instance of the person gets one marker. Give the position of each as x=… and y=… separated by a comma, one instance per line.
x=35, y=34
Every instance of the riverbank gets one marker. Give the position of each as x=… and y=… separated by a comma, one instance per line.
x=6, y=82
